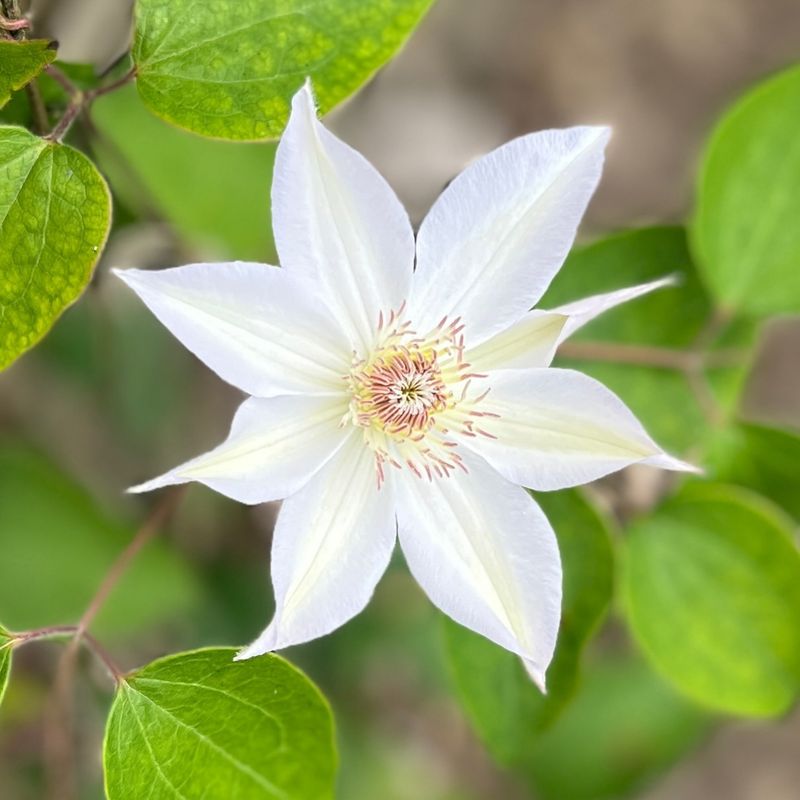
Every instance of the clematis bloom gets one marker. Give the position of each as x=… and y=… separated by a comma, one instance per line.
x=402, y=388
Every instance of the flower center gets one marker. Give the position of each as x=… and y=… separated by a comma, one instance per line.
x=411, y=393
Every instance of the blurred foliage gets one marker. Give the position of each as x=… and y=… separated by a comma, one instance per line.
x=761, y=458
x=745, y=230
x=712, y=584
x=53, y=537
x=150, y=165
x=623, y=727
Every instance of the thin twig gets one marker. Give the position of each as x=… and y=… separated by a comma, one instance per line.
x=41, y=121
x=111, y=87
x=628, y=354
x=69, y=631
x=14, y=24
x=82, y=100
x=61, y=78
x=59, y=765
x=162, y=511
x=51, y=632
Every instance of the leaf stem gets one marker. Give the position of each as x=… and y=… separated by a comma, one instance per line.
x=70, y=631
x=80, y=101
x=59, y=763
x=60, y=77
x=40, y=119
x=692, y=362
x=162, y=511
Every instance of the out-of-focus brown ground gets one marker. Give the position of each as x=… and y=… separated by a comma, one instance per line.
x=660, y=72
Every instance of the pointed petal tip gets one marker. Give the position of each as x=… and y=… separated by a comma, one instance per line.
x=122, y=274
x=246, y=653
x=536, y=674
x=156, y=483
x=267, y=642
x=666, y=461
x=304, y=99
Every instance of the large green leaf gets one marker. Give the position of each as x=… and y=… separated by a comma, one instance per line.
x=764, y=459
x=712, y=585
x=200, y=725
x=672, y=318
x=5, y=661
x=57, y=546
x=623, y=727
x=216, y=194
x=507, y=710
x=21, y=62
x=55, y=212
x=745, y=232
x=229, y=69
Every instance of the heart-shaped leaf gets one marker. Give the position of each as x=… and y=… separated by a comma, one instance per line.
x=201, y=725
x=228, y=69
x=55, y=212
x=21, y=62
x=712, y=584
x=745, y=234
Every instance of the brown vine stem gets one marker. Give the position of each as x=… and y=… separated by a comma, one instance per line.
x=691, y=362
x=58, y=728
x=69, y=631
x=81, y=101
x=627, y=354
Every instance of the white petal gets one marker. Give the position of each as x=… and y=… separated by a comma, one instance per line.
x=332, y=543
x=531, y=342
x=337, y=221
x=499, y=233
x=580, y=312
x=256, y=326
x=274, y=447
x=559, y=428
x=486, y=555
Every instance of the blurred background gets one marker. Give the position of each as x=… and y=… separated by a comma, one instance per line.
x=110, y=399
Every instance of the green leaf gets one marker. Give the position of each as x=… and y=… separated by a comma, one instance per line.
x=5, y=661
x=672, y=318
x=229, y=69
x=215, y=194
x=200, y=724
x=623, y=727
x=55, y=212
x=504, y=706
x=21, y=62
x=57, y=546
x=712, y=585
x=744, y=232
x=760, y=458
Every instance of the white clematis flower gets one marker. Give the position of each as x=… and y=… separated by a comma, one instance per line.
x=388, y=399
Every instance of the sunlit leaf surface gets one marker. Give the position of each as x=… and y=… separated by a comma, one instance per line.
x=200, y=724
x=20, y=62
x=745, y=232
x=230, y=68
x=55, y=212
x=712, y=585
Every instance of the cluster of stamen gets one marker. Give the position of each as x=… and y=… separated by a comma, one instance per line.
x=412, y=393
